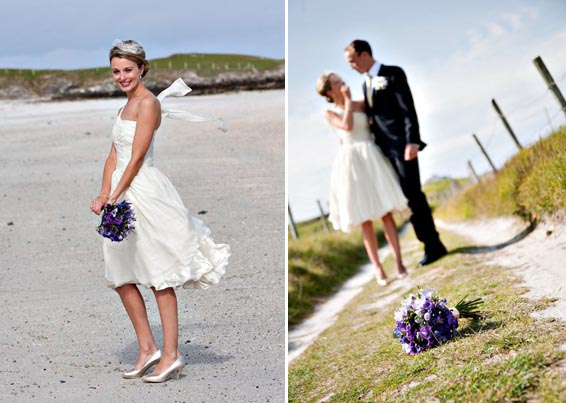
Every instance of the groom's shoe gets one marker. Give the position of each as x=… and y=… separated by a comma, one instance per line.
x=433, y=256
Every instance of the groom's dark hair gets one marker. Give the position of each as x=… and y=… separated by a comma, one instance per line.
x=359, y=46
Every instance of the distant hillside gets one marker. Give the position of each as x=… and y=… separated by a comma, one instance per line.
x=205, y=74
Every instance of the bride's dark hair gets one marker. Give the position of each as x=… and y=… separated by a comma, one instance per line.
x=130, y=50
x=323, y=85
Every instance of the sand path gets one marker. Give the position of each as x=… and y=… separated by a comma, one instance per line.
x=537, y=256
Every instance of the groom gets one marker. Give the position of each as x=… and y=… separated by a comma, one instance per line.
x=393, y=121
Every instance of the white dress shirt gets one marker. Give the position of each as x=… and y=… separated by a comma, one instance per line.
x=374, y=69
x=372, y=72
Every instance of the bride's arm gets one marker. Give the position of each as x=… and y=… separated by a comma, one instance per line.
x=109, y=166
x=346, y=121
x=148, y=116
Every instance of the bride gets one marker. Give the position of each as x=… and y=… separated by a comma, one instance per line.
x=168, y=248
x=363, y=186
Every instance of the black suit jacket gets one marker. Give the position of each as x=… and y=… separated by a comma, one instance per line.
x=392, y=116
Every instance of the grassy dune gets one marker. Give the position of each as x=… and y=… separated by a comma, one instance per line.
x=531, y=184
x=207, y=65
x=239, y=72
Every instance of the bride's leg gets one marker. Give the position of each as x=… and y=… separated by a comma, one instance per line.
x=370, y=242
x=135, y=307
x=167, y=304
x=393, y=239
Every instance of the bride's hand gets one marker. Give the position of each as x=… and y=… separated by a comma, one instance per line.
x=98, y=204
x=345, y=90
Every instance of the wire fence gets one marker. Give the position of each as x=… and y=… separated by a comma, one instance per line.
x=524, y=113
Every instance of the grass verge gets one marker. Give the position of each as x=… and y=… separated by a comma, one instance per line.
x=505, y=357
x=532, y=183
x=320, y=262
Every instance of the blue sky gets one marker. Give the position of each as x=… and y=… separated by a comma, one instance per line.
x=78, y=33
x=457, y=56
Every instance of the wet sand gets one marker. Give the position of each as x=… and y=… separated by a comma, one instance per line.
x=65, y=336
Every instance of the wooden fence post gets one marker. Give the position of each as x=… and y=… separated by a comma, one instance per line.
x=504, y=120
x=294, y=232
x=550, y=82
x=322, y=217
x=485, y=153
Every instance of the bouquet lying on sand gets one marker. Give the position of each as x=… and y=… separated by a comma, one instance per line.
x=117, y=221
x=424, y=321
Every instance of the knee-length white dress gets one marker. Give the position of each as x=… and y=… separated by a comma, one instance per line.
x=363, y=185
x=168, y=247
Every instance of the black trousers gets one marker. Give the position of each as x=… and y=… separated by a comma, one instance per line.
x=421, y=218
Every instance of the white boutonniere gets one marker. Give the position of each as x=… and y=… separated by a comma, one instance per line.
x=378, y=83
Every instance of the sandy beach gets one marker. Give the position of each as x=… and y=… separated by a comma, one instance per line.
x=65, y=336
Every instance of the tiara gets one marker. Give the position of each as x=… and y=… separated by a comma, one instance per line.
x=129, y=46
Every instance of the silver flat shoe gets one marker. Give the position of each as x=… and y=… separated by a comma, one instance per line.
x=403, y=275
x=382, y=282
x=177, y=366
x=137, y=373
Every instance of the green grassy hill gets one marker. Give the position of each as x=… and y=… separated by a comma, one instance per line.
x=200, y=63
x=236, y=72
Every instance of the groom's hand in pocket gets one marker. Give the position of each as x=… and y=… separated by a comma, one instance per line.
x=411, y=151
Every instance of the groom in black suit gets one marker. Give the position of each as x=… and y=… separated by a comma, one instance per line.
x=393, y=121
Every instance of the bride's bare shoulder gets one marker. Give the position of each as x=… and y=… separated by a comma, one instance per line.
x=150, y=103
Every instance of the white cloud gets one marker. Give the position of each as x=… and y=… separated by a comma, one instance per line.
x=495, y=30
x=515, y=20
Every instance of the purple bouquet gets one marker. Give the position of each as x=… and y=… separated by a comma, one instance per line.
x=424, y=321
x=117, y=221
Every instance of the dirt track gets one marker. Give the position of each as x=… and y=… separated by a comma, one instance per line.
x=535, y=254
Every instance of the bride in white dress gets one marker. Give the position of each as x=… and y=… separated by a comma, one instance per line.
x=168, y=248
x=363, y=186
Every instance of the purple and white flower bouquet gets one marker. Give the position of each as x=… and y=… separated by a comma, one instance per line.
x=117, y=221
x=424, y=321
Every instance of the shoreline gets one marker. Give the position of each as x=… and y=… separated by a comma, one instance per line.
x=194, y=92
x=47, y=100
x=70, y=88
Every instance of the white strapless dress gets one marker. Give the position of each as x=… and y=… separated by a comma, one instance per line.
x=168, y=247
x=363, y=185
